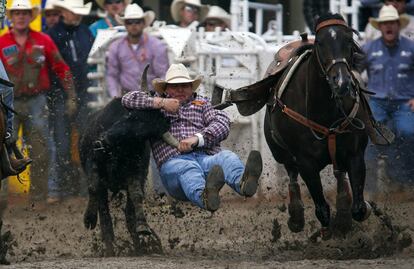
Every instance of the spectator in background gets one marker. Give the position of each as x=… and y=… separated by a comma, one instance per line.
x=312, y=9
x=217, y=17
x=127, y=58
x=372, y=33
x=50, y=14
x=185, y=12
x=74, y=41
x=113, y=9
x=27, y=56
x=390, y=67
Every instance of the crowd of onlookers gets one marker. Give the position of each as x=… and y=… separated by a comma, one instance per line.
x=49, y=71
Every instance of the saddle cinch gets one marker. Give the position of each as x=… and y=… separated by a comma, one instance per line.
x=252, y=98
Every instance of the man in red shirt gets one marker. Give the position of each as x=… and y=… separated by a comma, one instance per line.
x=27, y=56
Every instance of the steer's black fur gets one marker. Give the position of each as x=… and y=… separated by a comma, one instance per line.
x=123, y=166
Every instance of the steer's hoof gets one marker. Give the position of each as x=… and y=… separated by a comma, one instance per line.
x=148, y=243
x=90, y=219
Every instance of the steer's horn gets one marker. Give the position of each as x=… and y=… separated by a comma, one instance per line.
x=170, y=139
x=144, y=84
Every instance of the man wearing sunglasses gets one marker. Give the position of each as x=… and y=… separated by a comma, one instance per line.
x=401, y=5
x=113, y=9
x=185, y=12
x=217, y=17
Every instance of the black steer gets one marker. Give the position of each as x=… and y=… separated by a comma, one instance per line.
x=122, y=166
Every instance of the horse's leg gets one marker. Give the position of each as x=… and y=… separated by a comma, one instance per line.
x=313, y=181
x=296, y=220
x=107, y=231
x=361, y=209
x=343, y=219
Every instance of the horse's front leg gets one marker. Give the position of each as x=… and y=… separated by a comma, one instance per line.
x=310, y=175
x=343, y=218
x=361, y=209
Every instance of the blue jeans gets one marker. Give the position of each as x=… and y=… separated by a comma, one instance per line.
x=397, y=115
x=33, y=116
x=184, y=175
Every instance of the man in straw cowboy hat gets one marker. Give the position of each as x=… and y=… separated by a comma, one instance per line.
x=217, y=17
x=198, y=168
x=113, y=9
x=74, y=41
x=51, y=15
x=128, y=56
x=185, y=12
x=390, y=67
x=28, y=56
x=372, y=33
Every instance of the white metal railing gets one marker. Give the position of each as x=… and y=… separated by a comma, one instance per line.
x=240, y=10
x=342, y=7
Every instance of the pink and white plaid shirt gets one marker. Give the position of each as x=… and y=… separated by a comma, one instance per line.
x=196, y=116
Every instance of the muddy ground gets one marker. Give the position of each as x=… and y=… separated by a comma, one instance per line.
x=242, y=234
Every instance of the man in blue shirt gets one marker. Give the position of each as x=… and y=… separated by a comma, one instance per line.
x=390, y=67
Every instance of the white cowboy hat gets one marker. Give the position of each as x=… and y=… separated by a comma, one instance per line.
x=177, y=73
x=23, y=5
x=76, y=6
x=49, y=5
x=134, y=11
x=177, y=5
x=216, y=12
x=101, y=3
x=389, y=13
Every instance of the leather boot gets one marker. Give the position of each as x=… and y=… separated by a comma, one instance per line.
x=250, y=178
x=214, y=183
x=19, y=165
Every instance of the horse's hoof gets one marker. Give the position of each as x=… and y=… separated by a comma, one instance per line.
x=296, y=220
x=360, y=215
x=326, y=233
x=368, y=210
x=148, y=243
x=295, y=227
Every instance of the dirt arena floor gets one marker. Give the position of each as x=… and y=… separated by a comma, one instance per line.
x=242, y=234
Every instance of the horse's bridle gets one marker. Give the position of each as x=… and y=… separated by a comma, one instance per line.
x=325, y=70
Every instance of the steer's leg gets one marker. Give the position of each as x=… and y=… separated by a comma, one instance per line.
x=296, y=220
x=144, y=238
x=361, y=209
x=107, y=231
x=91, y=214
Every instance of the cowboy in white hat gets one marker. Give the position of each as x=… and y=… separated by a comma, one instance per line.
x=185, y=12
x=390, y=62
x=73, y=10
x=113, y=9
x=28, y=57
x=372, y=33
x=51, y=14
x=217, y=17
x=23, y=6
x=197, y=169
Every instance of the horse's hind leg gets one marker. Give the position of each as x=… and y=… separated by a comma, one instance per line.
x=343, y=217
x=361, y=209
x=296, y=220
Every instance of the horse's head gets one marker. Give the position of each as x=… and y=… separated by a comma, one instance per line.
x=334, y=46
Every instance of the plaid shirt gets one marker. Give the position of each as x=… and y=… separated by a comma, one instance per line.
x=196, y=116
